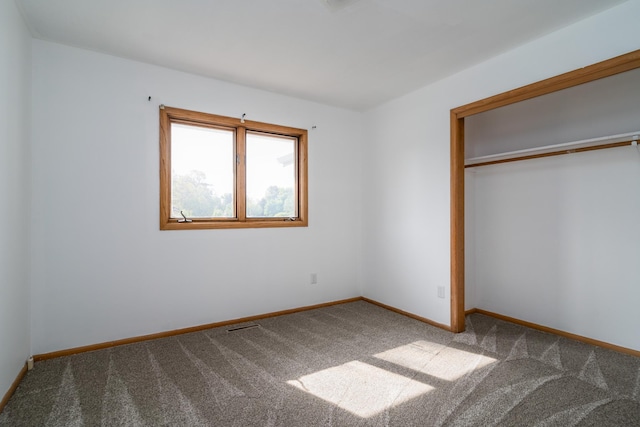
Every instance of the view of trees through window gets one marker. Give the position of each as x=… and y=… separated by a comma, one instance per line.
x=202, y=177
x=197, y=199
x=270, y=176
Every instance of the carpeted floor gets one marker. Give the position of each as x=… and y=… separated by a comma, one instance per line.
x=352, y=364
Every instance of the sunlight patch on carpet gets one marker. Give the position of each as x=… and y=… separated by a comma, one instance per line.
x=447, y=364
x=360, y=388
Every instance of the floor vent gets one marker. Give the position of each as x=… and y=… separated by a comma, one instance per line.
x=241, y=328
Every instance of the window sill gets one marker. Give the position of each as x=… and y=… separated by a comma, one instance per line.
x=195, y=224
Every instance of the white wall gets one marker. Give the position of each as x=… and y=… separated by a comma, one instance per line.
x=406, y=172
x=15, y=73
x=102, y=270
x=557, y=242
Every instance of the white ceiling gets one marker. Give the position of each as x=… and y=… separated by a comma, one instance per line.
x=349, y=53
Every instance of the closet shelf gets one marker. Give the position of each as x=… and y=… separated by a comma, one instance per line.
x=557, y=149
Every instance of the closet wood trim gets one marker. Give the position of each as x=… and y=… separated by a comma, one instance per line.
x=610, y=67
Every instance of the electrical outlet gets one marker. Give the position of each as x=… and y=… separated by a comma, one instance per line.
x=314, y=278
x=440, y=291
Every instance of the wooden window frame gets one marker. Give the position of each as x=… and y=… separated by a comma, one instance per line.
x=169, y=115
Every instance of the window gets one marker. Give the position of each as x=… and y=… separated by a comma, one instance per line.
x=222, y=172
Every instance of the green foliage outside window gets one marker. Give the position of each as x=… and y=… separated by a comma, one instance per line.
x=277, y=202
x=196, y=199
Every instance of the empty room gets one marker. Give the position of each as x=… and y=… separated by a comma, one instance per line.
x=320, y=212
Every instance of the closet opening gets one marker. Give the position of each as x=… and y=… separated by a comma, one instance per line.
x=611, y=67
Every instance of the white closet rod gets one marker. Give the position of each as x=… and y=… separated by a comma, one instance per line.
x=566, y=147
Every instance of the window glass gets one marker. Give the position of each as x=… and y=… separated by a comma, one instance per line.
x=271, y=176
x=202, y=172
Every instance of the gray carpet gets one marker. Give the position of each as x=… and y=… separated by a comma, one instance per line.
x=352, y=364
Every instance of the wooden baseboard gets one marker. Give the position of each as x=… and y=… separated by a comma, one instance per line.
x=13, y=387
x=557, y=332
x=108, y=344
x=132, y=340
x=411, y=315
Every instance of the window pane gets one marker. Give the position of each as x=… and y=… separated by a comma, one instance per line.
x=202, y=169
x=271, y=176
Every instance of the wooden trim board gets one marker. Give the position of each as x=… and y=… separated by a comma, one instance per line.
x=132, y=340
x=407, y=314
x=600, y=70
x=457, y=224
x=108, y=344
x=554, y=331
x=13, y=387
